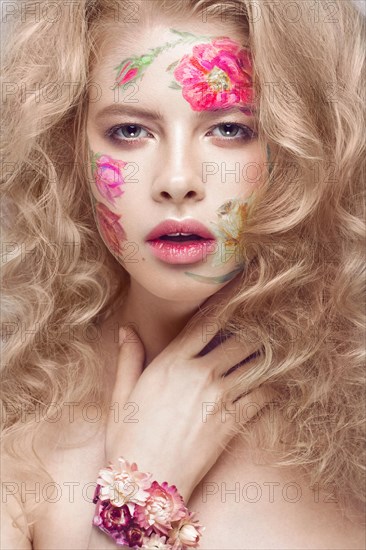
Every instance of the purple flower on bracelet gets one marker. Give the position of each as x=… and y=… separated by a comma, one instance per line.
x=118, y=523
x=134, y=535
x=112, y=517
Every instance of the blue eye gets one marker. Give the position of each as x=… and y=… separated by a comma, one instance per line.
x=234, y=131
x=129, y=133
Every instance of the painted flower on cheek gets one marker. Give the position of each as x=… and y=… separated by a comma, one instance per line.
x=110, y=228
x=233, y=215
x=108, y=176
x=216, y=75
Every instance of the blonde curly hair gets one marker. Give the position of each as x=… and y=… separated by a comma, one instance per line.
x=302, y=296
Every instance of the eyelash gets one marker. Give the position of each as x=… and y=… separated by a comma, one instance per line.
x=250, y=134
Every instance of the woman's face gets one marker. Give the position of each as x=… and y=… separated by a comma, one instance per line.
x=172, y=137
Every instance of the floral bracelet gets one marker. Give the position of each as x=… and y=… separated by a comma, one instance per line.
x=140, y=513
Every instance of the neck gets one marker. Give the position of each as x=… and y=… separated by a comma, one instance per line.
x=156, y=320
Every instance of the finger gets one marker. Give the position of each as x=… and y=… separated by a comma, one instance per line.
x=234, y=383
x=255, y=402
x=130, y=363
x=247, y=404
x=249, y=359
x=231, y=416
x=229, y=355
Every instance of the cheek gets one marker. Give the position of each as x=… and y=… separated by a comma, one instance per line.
x=253, y=176
x=109, y=184
x=108, y=176
x=253, y=170
x=232, y=217
x=110, y=227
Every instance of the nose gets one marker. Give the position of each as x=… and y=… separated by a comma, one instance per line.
x=178, y=177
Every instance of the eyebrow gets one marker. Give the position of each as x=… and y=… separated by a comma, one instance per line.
x=155, y=114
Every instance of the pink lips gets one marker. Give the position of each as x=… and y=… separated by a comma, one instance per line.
x=183, y=226
x=185, y=251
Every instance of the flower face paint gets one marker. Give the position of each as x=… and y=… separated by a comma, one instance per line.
x=151, y=125
x=133, y=68
x=232, y=217
x=110, y=228
x=108, y=176
x=218, y=74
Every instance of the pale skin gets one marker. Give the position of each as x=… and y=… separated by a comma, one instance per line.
x=170, y=157
x=157, y=369
x=110, y=183
x=170, y=163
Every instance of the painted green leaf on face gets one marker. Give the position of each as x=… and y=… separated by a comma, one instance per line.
x=188, y=36
x=132, y=68
x=94, y=158
x=146, y=59
x=118, y=67
x=215, y=280
x=174, y=86
x=172, y=65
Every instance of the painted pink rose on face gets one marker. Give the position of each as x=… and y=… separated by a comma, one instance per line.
x=108, y=176
x=216, y=75
x=110, y=228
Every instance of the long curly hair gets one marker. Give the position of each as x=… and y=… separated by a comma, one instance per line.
x=302, y=296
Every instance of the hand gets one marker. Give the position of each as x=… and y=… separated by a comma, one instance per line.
x=174, y=438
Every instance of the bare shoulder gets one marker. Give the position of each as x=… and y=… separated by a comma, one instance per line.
x=16, y=531
x=268, y=508
x=72, y=456
x=56, y=492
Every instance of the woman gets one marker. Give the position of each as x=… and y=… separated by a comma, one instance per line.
x=190, y=172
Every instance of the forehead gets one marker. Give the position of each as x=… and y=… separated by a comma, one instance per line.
x=122, y=42
x=151, y=53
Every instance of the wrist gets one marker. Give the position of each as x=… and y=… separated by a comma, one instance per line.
x=160, y=471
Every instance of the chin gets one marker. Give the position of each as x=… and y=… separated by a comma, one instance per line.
x=188, y=291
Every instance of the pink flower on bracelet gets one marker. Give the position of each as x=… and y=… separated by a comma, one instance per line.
x=124, y=487
x=164, y=505
x=142, y=514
